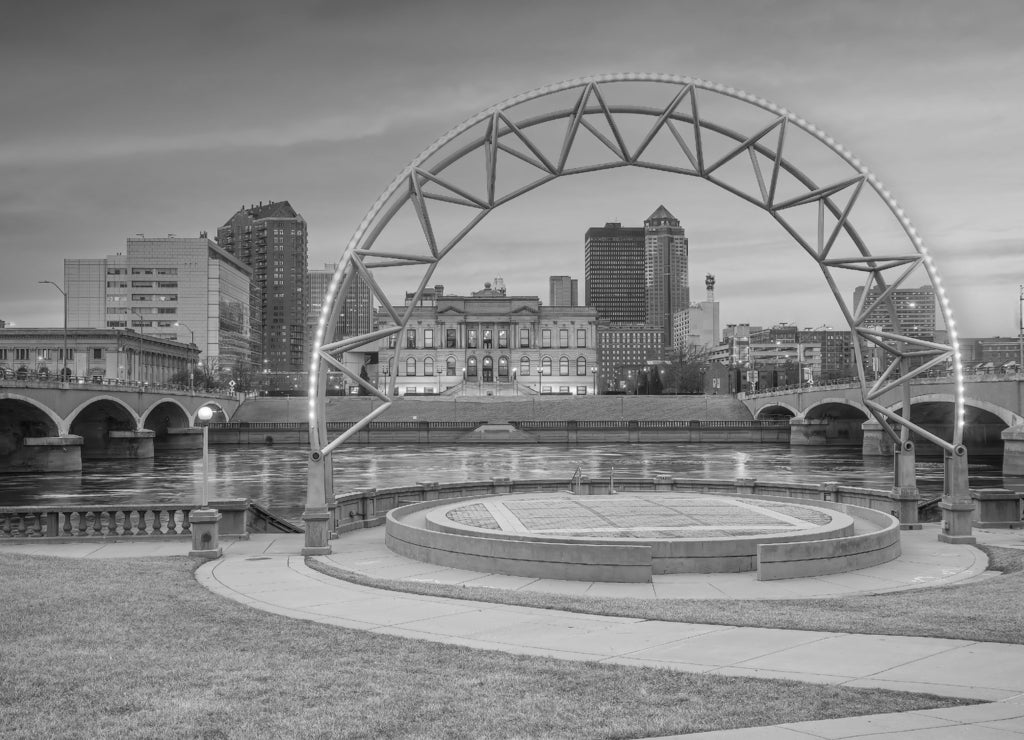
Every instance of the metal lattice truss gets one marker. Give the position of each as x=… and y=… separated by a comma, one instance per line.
x=580, y=126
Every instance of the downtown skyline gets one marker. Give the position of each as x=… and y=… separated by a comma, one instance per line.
x=120, y=130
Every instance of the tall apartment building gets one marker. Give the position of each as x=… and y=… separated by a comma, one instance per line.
x=564, y=291
x=356, y=315
x=272, y=239
x=181, y=288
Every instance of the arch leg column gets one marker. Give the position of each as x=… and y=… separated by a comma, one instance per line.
x=317, y=516
x=956, y=505
x=1013, y=450
x=905, y=494
x=875, y=443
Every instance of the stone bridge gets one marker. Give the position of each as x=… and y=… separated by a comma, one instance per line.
x=52, y=426
x=836, y=414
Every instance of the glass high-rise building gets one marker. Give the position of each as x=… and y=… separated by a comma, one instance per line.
x=614, y=273
x=181, y=288
x=666, y=277
x=356, y=315
x=272, y=239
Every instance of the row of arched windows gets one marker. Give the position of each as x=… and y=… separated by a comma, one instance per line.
x=486, y=366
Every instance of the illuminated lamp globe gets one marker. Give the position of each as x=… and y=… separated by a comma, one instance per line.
x=205, y=413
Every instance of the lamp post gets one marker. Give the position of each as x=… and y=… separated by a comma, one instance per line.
x=204, y=520
x=1020, y=333
x=139, y=359
x=192, y=342
x=205, y=413
x=64, y=373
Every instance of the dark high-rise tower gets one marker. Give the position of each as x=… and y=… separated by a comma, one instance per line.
x=666, y=276
x=272, y=239
x=614, y=271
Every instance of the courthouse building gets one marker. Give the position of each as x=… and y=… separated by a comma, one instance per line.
x=491, y=343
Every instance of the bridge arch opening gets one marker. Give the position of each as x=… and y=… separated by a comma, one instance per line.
x=748, y=146
x=165, y=415
x=845, y=421
x=102, y=424
x=775, y=412
x=21, y=419
x=982, y=433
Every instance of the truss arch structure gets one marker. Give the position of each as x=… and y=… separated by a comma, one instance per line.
x=822, y=196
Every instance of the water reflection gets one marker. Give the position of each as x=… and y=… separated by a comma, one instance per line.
x=276, y=476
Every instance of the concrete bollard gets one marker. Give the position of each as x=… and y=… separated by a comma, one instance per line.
x=205, y=534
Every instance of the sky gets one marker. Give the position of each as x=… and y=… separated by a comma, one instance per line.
x=131, y=117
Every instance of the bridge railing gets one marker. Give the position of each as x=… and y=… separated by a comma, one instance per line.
x=9, y=379
x=98, y=521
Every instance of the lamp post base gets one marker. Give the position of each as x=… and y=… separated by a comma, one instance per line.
x=205, y=534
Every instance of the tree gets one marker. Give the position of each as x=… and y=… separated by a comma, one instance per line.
x=684, y=370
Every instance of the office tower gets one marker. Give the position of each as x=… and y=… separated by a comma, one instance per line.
x=614, y=273
x=702, y=322
x=916, y=311
x=272, y=239
x=666, y=275
x=181, y=288
x=356, y=315
x=563, y=290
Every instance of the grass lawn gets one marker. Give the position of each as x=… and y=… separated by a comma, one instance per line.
x=136, y=648
x=991, y=610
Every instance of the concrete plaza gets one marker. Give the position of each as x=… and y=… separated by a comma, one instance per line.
x=265, y=573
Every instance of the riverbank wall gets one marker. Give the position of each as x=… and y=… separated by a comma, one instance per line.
x=525, y=420
x=527, y=432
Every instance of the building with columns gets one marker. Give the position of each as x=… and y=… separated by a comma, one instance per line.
x=491, y=343
x=98, y=355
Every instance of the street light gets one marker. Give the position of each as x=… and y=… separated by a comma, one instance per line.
x=135, y=313
x=64, y=373
x=192, y=342
x=205, y=413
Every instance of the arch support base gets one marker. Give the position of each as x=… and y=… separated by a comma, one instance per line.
x=1013, y=450
x=957, y=506
x=43, y=455
x=317, y=516
x=905, y=493
x=875, y=442
x=808, y=432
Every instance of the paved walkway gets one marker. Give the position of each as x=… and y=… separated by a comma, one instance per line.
x=266, y=573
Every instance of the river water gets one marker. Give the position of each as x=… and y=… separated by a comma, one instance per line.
x=276, y=476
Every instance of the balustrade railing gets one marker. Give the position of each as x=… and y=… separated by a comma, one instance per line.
x=95, y=521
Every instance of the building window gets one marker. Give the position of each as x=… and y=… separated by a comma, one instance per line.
x=449, y=367
x=503, y=368
x=502, y=338
x=487, y=338
x=524, y=337
x=524, y=367
x=471, y=338
x=545, y=338
x=471, y=367
x=410, y=339
x=410, y=366
x=581, y=365
x=488, y=369
x=428, y=366
x=391, y=342
x=21, y=355
x=563, y=365
x=563, y=389
x=449, y=339
x=97, y=353
x=563, y=338
x=3, y=354
x=581, y=390
x=428, y=338
x=44, y=354
x=545, y=365
x=581, y=337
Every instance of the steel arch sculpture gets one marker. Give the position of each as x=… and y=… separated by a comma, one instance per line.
x=753, y=165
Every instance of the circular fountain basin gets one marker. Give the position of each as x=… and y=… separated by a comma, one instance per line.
x=633, y=536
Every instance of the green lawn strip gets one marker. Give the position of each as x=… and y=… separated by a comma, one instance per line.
x=990, y=610
x=137, y=649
